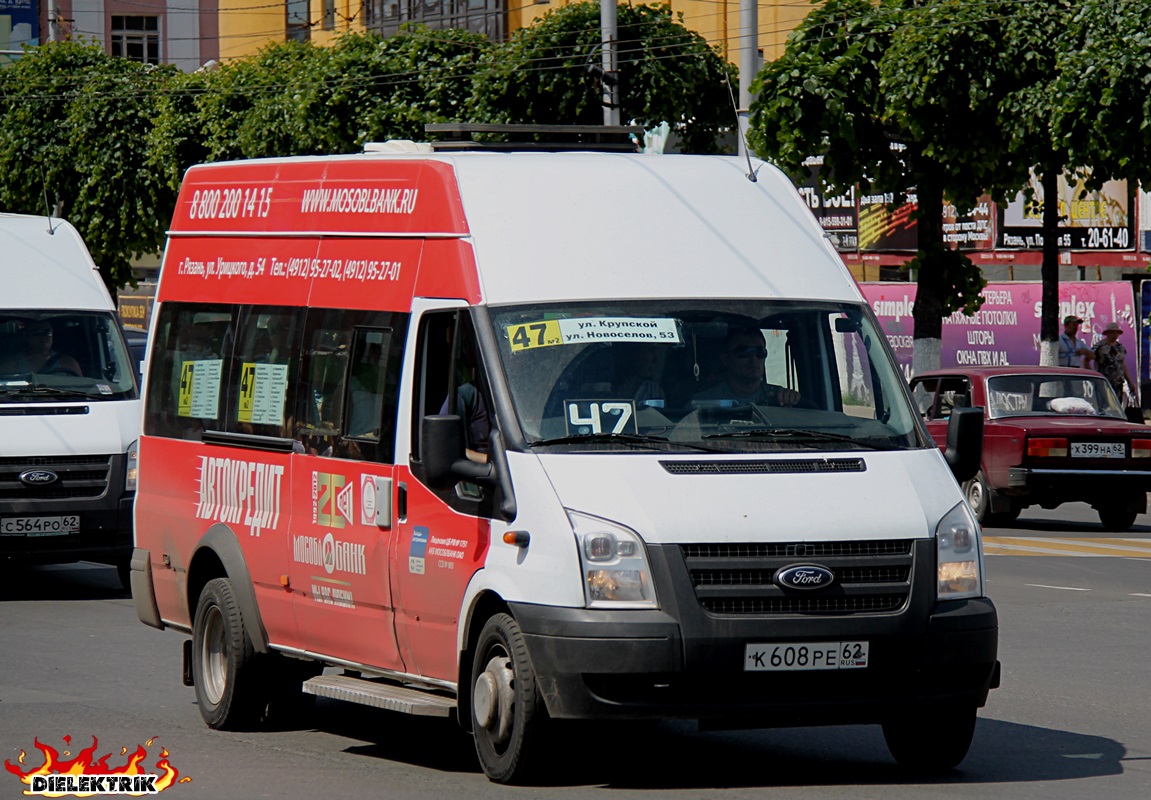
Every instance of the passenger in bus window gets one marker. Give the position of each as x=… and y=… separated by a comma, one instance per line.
x=470, y=404
x=37, y=353
x=742, y=373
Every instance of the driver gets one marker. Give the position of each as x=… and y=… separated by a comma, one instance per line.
x=37, y=353
x=743, y=373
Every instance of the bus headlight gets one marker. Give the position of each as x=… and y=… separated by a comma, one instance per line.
x=614, y=564
x=133, y=467
x=959, y=555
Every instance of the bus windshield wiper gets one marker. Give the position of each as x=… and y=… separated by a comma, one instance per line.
x=610, y=438
x=795, y=435
x=39, y=390
x=622, y=438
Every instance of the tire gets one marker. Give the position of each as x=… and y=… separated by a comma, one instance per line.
x=978, y=495
x=508, y=714
x=225, y=668
x=931, y=741
x=1117, y=519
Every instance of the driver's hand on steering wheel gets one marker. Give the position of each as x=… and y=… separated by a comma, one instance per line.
x=786, y=397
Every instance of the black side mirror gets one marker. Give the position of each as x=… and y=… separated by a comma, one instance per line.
x=446, y=462
x=964, y=442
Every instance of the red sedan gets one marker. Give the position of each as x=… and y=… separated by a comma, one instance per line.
x=1051, y=435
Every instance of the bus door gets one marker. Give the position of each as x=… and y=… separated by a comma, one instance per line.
x=444, y=536
x=341, y=535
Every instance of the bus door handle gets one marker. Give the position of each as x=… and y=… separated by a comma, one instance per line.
x=402, y=502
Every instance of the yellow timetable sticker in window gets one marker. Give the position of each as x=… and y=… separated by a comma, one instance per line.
x=535, y=334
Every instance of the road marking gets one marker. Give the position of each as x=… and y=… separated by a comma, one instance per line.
x=1093, y=547
x=1139, y=594
x=1062, y=588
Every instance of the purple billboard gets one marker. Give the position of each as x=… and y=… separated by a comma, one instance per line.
x=1006, y=329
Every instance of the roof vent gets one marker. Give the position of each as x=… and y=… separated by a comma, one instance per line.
x=398, y=147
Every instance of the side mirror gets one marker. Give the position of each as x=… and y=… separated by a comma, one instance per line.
x=964, y=442
x=445, y=462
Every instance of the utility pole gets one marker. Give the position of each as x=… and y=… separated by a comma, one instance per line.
x=748, y=63
x=53, y=20
x=609, y=34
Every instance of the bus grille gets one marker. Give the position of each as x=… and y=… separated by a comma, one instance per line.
x=79, y=476
x=871, y=577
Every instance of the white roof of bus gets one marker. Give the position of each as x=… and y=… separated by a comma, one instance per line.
x=614, y=225
x=44, y=264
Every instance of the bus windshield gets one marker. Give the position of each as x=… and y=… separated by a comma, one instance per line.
x=714, y=375
x=57, y=355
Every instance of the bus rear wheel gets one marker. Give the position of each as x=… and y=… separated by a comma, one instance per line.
x=224, y=662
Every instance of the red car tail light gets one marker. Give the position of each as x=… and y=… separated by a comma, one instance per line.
x=1141, y=448
x=1047, y=448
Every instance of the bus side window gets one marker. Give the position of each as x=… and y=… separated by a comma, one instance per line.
x=263, y=371
x=188, y=374
x=346, y=396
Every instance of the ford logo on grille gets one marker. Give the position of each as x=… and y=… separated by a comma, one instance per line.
x=38, y=477
x=804, y=576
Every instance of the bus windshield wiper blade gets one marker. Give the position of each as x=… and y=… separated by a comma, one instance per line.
x=795, y=434
x=624, y=438
x=609, y=438
x=24, y=390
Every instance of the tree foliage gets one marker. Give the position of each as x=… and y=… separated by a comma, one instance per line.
x=108, y=140
x=977, y=95
x=73, y=130
x=667, y=73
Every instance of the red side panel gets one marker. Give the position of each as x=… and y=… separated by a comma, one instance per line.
x=437, y=553
x=340, y=585
x=448, y=269
x=186, y=488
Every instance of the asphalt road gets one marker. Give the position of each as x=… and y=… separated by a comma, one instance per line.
x=1071, y=721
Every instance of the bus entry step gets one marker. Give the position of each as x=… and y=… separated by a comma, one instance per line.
x=381, y=695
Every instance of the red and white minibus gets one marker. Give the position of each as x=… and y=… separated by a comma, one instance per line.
x=522, y=438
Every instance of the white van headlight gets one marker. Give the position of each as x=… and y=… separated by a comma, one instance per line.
x=614, y=564
x=959, y=555
x=133, y=467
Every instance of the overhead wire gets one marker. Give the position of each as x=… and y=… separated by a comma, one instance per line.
x=541, y=63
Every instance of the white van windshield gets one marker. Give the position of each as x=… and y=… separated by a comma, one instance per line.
x=61, y=355
x=715, y=375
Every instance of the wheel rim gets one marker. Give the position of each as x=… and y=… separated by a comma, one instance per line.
x=493, y=698
x=213, y=655
x=975, y=497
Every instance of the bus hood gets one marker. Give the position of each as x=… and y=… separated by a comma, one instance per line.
x=66, y=429
x=671, y=499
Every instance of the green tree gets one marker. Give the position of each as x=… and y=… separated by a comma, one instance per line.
x=667, y=73
x=1029, y=101
x=73, y=137
x=891, y=94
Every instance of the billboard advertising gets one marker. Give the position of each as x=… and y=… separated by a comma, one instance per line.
x=1006, y=329
x=836, y=214
x=19, y=23
x=1098, y=220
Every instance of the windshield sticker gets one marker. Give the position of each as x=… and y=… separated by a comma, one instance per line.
x=200, y=388
x=583, y=330
x=586, y=417
x=104, y=388
x=262, y=391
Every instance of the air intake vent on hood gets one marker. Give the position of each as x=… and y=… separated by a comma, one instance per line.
x=42, y=411
x=775, y=466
